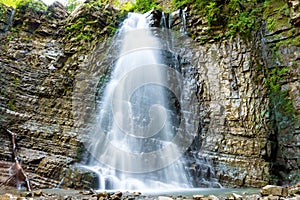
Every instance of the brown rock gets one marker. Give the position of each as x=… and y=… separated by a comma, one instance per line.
x=6, y=197
x=118, y=193
x=274, y=190
x=101, y=194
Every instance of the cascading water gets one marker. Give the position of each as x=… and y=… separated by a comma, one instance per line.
x=140, y=137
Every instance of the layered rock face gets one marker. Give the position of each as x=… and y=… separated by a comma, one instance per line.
x=235, y=131
x=52, y=63
x=250, y=87
x=40, y=59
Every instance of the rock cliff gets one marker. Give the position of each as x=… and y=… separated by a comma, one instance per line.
x=52, y=62
x=40, y=58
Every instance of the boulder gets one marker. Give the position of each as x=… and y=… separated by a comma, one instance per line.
x=274, y=191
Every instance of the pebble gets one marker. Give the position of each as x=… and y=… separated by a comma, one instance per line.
x=118, y=193
x=198, y=196
x=21, y=198
x=164, y=198
x=213, y=197
x=237, y=196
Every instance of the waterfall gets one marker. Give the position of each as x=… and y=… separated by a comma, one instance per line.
x=147, y=116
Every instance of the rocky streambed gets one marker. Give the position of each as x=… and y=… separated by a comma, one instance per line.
x=269, y=192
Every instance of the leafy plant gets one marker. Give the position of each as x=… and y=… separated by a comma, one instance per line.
x=243, y=23
x=77, y=30
x=10, y=3
x=276, y=14
x=280, y=100
x=11, y=104
x=212, y=11
x=33, y=4
x=71, y=5
x=144, y=6
x=124, y=7
x=76, y=26
x=235, y=16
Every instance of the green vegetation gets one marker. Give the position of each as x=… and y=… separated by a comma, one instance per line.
x=79, y=24
x=279, y=99
x=212, y=10
x=282, y=116
x=243, y=23
x=235, y=16
x=11, y=3
x=124, y=7
x=13, y=85
x=141, y=6
x=144, y=6
x=11, y=104
x=96, y=4
x=34, y=4
x=276, y=14
x=79, y=27
x=80, y=151
x=71, y=5
x=1, y=11
x=86, y=28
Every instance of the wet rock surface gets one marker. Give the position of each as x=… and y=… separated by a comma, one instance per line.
x=242, y=132
x=38, y=78
x=49, y=72
x=6, y=17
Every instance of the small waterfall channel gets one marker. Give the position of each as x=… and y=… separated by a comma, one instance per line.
x=146, y=119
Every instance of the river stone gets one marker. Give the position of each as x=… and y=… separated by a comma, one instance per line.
x=164, y=198
x=213, y=197
x=198, y=196
x=237, y=196
x=274, y=190
x=19, y=198
x=6, y=197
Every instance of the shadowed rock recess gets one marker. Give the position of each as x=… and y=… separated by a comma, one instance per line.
x=51, y=62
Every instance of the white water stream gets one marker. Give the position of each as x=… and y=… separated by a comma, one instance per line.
x=133, y=142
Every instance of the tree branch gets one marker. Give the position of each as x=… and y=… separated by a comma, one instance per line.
x=18, y=171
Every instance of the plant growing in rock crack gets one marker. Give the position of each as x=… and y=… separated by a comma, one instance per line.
x=71, y=5
x=280, y=100
x=276, y=14
x=35, y=5
x=235, y=16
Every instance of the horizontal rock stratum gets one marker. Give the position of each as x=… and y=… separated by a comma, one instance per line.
x=249, y=91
